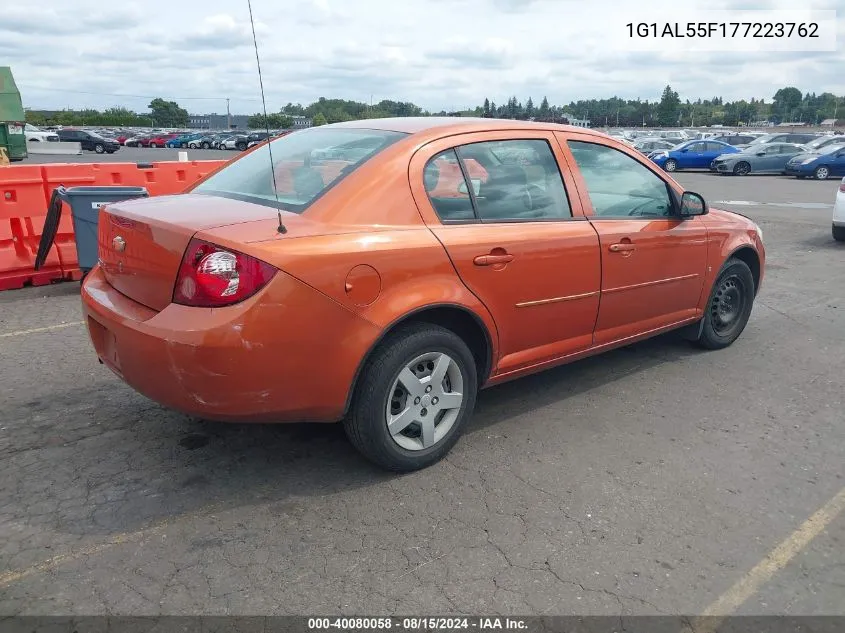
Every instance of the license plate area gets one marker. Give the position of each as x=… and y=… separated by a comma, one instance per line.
x=105, y=344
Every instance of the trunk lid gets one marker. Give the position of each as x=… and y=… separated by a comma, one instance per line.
x=142, y=241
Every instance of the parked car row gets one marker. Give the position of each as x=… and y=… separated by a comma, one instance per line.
x=799, y=154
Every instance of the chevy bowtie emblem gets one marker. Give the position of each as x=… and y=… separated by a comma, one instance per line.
x=119, y=244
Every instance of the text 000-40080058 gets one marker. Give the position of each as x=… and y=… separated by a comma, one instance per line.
x=726, y=31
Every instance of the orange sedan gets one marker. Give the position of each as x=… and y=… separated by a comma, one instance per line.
x=384, y=270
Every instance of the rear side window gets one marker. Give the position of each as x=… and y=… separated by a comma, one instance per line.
x=497, y=181
x=305, y=165
x=447, y=188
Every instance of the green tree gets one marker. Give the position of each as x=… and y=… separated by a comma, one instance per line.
x=543, y=112
x=35, y=118
x=319, y=119
x=785, y=102
x=669, y=107
x=168, y=113
x=486, y=107
x=529, y=109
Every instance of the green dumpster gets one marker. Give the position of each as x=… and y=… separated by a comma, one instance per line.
x=12, y=117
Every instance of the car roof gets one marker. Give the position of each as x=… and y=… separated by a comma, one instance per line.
x=457, y=125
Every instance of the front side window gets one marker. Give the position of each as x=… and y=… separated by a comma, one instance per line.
x=305, y=165
x=618, y=185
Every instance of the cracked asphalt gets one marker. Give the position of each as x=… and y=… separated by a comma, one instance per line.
x=645, y=481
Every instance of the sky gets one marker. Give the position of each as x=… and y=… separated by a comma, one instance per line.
x=439, y=54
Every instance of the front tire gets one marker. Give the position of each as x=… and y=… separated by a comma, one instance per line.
x=240, y=146
x=822, y=172
x=742, y=169
x=838, y=233
x=413, y=398
x=205, y=145
x=670, y=165
x=728, y=307
x=99, y=148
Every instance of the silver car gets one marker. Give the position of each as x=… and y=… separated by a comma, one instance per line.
x=767, y=158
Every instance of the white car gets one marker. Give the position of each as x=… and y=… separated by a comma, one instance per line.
x=838, y=227
x=36, y=135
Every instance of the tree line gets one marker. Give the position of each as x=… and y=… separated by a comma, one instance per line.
x=787, y=104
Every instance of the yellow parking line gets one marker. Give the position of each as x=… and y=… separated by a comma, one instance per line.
x=9, y=577
x=774, y=561
x=41, y=329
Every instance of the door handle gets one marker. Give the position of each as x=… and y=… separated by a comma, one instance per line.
x=492, y=260
x=621, y=248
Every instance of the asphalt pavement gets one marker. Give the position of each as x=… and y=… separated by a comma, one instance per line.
x=656, y=479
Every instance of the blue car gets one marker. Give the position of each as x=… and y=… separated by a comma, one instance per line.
x=182, y=141
x=692, y=155
x=826, y=162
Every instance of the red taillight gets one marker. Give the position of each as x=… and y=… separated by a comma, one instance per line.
x=211, y=276
x=842, y=186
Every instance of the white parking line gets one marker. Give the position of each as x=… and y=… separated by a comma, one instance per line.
x=49, y=328
x=784, y=205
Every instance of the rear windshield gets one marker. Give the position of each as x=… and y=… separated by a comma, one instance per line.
x=306, y=164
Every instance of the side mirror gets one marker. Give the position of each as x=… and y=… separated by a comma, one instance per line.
x=692, y=204
x=761, y=154
x=685, y=150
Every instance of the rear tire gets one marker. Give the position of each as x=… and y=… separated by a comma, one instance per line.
x=838, y=233
x=241, y=146
x=99, y=148
x=728, y=307
x=152, y=146
x=381, y=395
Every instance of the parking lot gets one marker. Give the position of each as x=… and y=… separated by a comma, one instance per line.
x=133, y=155
x=651, y=480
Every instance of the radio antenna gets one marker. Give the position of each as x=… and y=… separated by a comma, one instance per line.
x=281, y=228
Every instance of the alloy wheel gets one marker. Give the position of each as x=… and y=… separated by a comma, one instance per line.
x=424, y=401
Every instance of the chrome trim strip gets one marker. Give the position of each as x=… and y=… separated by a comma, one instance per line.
x=540, y=302
x=651, y=283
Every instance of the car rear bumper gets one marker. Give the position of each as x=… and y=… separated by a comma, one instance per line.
x=267, y=359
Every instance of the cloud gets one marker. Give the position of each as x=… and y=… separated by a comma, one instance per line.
x=439, y=54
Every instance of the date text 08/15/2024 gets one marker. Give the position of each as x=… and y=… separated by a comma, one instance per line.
x=723, y=29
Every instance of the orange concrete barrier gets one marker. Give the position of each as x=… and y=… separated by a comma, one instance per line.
x=22, y=211
x=25, y=192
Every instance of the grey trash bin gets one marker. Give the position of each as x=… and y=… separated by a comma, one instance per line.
x=85, y=203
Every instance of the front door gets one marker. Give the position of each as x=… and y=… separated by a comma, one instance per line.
x=515, y=232
x=653, y=262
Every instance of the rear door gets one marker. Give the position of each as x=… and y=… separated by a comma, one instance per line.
x=512, y=224
x=712, y=149
x=777, y=155
x=653, y=262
